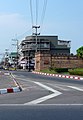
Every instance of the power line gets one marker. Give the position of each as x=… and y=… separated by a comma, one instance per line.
x=31, y=11
x=23, y=34
x=37, y=2
x=43, y=13
x=35, y=12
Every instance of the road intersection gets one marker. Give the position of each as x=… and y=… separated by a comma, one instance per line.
x=43, y=98
x=39, y=91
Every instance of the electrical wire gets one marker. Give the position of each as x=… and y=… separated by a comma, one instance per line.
x=31, y=10
x=35, y=12
x=43, y=14
x=37, y=1
x=22, y=35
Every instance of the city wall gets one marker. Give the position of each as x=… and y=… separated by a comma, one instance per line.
x=45, y=60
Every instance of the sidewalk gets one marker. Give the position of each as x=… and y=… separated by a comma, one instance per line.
x=7, y=83
x=61, y=75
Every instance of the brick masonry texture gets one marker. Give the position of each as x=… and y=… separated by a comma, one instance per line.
x=44, y=61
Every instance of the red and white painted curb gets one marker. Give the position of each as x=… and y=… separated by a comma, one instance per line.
x=11, y=89
x=58, y=75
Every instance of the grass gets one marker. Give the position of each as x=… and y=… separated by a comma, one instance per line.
x=77, y=71
x=48, y=71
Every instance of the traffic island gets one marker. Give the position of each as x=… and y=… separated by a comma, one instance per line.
x=8, y=84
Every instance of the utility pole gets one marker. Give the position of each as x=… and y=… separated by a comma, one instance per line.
x=17, y=47
x=36, y=34
x=6, y=58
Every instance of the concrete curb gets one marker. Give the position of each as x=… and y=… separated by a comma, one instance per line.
x=61, y=76
x=11, y=89
x=16, y=83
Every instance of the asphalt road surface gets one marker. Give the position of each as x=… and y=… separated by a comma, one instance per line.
x=43, y=98
x=41, y=113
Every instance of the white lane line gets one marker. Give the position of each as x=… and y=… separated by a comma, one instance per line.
x=76, y=88
x=42, y=99
x=59, y=87
x=42, y=105
x=46, y=87
x=58, y=105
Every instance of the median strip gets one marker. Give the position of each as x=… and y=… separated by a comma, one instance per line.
x=12, y=86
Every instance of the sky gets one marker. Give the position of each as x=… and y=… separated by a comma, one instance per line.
x=62, y=17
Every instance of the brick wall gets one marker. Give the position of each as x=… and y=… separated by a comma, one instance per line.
x=44, y=61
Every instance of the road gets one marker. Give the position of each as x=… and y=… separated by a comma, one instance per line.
x=44, y=98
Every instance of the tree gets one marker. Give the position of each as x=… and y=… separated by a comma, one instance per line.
x=80, y=52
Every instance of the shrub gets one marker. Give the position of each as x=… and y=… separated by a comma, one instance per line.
x=76, y=72
x=60, y=70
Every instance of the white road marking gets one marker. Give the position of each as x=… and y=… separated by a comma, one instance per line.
x=42, y=99
x=41, y=105
x=76, y=88
x=46, y=87
x=59, y=86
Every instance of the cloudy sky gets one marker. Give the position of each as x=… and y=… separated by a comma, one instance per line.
x=63, y=18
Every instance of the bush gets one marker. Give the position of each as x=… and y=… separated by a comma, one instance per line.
x=60, y=70
x=76, y=72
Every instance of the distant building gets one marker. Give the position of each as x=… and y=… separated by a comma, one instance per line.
x=45, y=44
x=13, y=58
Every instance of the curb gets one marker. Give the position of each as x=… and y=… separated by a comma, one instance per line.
x=11, y=89
x=61, y=76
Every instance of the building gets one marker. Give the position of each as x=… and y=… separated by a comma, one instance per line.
x=13, y=58
x=44, y=44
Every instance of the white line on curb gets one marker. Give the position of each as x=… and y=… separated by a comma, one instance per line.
x=63, y=76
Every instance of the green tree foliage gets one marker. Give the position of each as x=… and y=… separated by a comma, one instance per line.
x=80, y=52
